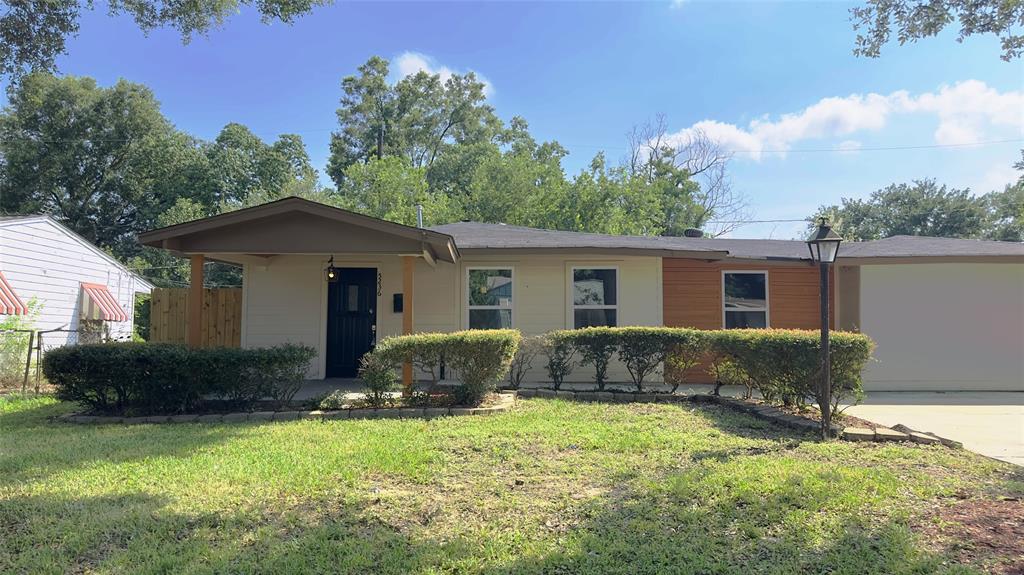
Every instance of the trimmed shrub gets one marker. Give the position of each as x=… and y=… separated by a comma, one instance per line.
x=686, y=349
x=560, y=351
x=378, y=375
x=529, y=347
x=643, y=350
x=481, y=357
x=281, y=370
x=596, y=346
x=135, y=377
x=425, y=351
x=785, y=365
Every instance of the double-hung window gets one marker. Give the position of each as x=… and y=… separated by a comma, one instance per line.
x=595, y=297
x=489, y=298
x=745, y=299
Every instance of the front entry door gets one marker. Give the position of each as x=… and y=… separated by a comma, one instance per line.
x=351, y=320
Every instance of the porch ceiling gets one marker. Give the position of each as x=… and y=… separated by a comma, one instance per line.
x=297, y=226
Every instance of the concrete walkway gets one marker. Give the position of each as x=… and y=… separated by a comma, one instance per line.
x=989, y=423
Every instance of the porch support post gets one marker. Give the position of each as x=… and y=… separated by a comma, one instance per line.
x=408, y=288
x=195, y=301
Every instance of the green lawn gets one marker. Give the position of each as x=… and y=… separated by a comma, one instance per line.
x=551, y=487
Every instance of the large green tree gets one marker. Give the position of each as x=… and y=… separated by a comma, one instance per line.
x=104, y=161
x=923, y=208
x=912, y=20
x=34, y=32
x=242, y=164
x=418, y=118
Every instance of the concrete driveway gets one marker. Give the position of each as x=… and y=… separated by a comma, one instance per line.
x=990, y=423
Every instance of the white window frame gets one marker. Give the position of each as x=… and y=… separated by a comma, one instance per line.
x=767, y=298
x=511, y=301
x=572, y=293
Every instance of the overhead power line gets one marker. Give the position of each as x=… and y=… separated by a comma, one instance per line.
x=601, y=147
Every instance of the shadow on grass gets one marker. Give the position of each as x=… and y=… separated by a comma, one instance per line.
x=37, y=446
x=791, y=528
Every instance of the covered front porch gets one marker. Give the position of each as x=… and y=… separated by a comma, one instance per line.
x=313, y=275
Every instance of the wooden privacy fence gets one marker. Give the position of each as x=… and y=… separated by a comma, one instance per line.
x=222, y=316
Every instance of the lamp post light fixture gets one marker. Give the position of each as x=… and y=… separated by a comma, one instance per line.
x=824, y=247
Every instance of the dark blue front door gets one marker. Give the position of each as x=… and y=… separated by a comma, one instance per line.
x=351, y=320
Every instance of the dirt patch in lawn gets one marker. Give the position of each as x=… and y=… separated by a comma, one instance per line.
x=983, y=532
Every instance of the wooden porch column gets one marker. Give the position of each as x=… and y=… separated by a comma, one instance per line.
x=195, y=301
x=408, y=270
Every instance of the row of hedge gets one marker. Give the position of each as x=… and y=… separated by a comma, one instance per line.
x=137, y=377
x=782, y=365
x=481, y=358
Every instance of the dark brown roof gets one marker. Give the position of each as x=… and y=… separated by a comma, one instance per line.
x=474, y=235
x=923, y=246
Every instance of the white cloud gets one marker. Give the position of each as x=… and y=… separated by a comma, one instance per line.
x=964, y=112
x=849, y=146
x=409, y=63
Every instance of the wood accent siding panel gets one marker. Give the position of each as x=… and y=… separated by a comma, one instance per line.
x=693, y=297
x=693, y=293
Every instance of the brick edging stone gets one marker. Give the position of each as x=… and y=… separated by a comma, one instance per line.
x=759, y=410
x=506, y=403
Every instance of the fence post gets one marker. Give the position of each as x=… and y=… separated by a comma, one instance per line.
x=39, y=358
x=28, y=360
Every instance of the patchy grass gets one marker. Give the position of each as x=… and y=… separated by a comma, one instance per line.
x=551, y=487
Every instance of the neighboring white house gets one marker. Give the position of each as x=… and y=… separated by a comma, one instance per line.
x=76, y=286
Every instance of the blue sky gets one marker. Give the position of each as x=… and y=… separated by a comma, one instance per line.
x=769, y=80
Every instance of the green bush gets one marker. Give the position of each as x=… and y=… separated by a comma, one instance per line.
x=14, y=341
x=480, y=357
x=427, y=352
x=134, y=377
x=333, y=401
x=686, y=349
x=785, y=365
x=528, y=349
x=378, y=375
x=643, y=349
x=596, y=346
x=560, y=351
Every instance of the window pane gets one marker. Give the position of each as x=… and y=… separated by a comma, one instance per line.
x=353, y=298
x=742, y=319
x=490, y=318
x=745, y=291
x=594, y=287
x=594, y=317
x=490, y=287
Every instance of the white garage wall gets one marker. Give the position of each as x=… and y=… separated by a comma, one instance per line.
x=948, y=326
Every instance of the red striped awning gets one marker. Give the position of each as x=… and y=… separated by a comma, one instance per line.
x=100, y=304
x=10, y=304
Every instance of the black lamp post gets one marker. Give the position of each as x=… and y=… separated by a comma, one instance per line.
x=824, y=246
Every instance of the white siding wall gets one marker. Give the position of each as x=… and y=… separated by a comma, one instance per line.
x=286, y=301
x=43, y=261
x=944, y=326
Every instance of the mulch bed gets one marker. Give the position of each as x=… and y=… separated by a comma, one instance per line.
x=842, y=419
x=988, y=533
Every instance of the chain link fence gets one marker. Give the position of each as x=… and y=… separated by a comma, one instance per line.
x=22, y=352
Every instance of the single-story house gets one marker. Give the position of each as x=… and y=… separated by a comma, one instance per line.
x=946, y=313
x=73, y=286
